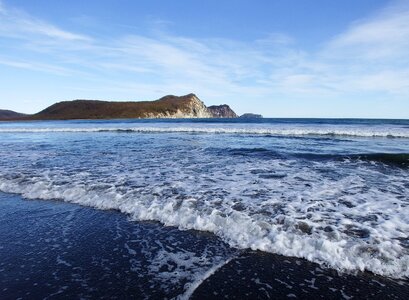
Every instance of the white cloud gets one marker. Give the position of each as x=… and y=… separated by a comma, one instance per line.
x=18, y=24
x=276, y=39
x=383, y=36
x=371, y=56
x=35, y=66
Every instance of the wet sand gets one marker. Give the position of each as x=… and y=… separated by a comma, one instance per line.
x=55, y=250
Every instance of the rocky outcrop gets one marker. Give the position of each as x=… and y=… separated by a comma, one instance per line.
x=221, y=111
x=250, y=116
x=189, y=106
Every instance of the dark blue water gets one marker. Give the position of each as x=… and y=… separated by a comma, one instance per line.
x=334, y=192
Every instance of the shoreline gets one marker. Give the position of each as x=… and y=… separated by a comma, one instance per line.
x=75, y=236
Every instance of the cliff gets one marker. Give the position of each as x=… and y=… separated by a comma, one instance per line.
x=9, y=114
x=221, y=111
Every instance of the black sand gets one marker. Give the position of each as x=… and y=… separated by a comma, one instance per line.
x=55, y=250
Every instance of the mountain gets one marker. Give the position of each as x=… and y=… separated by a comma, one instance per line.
x=221, y=111
x=9, y=114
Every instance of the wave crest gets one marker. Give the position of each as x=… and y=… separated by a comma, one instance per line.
x=316, y=131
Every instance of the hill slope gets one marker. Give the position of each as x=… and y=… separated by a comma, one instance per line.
x=188, y=106
x=9, y=114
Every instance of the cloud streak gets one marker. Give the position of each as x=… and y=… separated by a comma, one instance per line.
x=383, y=36
x=17, y=24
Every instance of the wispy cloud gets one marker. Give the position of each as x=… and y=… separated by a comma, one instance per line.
x=369, y=56
x=372, y=54
x=383, y=36
x=38, y=67
x=18, y=24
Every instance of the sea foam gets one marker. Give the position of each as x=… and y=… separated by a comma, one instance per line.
x=345, y=224
x=254, y=130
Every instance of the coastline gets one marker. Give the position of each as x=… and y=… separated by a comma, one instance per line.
x=51, y=247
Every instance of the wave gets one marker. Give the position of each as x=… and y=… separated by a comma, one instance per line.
x=330, y=132
x=399, y=159
x=344, y=245
x=394, y=159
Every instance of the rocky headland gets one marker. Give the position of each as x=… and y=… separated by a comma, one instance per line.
x=188, y=106
x=221, y=111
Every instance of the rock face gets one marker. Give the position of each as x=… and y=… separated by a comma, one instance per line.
x=221, y=111
x=251, y=116
x=9, y=114
x=188, y=106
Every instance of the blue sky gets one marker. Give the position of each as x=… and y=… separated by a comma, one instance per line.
x=279, y=58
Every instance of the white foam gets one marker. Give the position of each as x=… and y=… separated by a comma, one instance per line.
x=321, y=130
x=348, y=223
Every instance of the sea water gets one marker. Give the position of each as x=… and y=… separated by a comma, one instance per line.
x=335, y=192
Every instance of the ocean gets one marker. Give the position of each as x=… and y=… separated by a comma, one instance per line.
x=161, y=208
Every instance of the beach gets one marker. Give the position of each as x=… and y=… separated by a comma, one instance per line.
x=53, y=249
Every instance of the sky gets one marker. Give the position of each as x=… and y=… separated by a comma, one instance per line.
x=279, y=58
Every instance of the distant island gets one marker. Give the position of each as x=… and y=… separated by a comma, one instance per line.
x=188, y=106
x=251, y=116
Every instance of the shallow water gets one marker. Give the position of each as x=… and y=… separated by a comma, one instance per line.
x=56, y=250
x=334, y=192
x=53, y=250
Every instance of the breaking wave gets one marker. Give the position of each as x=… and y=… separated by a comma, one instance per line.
x=344, y=223
x=298, y=131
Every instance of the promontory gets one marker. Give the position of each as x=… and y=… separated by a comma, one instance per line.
x=188, y=106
